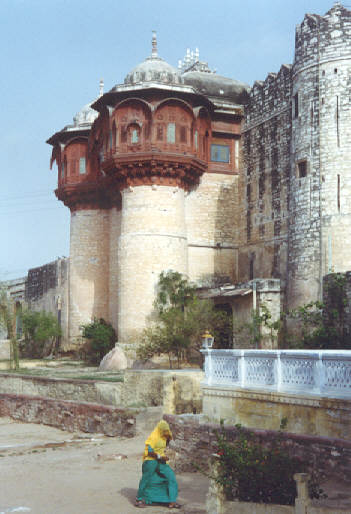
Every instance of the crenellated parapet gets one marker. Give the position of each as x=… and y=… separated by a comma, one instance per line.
x=268, y=98
x=321, y=39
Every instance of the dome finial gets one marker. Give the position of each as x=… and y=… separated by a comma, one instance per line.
x=154, y=44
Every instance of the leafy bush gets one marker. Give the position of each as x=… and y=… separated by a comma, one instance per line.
x=101, y=338
x=180, y=319
x=40, y=330
x=252, y=473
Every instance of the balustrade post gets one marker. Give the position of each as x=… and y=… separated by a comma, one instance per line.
x=279, y=372
x=242, y=368
x=210, y=367
x=320, y=373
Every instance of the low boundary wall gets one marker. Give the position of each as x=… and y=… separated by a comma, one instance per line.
x=195, y=440
x=177, y=391
x=68, y=415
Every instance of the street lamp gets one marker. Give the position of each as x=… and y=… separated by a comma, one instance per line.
x=207, y=340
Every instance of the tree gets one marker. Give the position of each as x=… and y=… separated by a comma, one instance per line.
x=179, y=321
x=8, y=320
x=39, y=328
x=101, y=338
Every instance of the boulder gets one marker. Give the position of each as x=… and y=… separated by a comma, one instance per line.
x=114, y=360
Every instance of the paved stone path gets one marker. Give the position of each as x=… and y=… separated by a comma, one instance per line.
x=47, y=471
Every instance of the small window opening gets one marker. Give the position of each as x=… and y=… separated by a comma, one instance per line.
x=302, y=169
x=123, y=135
x=335, y=70
x=183, y=134
x=135, y=136
x=171, y=133
x=219, y=153
x=63, y=170
x=110, y=140
x=296, y=105
x=196, y=140
x=82, y=166
x=251, y=266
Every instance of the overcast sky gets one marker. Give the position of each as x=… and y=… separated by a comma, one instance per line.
x=53, y=54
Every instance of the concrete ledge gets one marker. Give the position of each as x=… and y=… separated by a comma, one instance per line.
x=68, y=415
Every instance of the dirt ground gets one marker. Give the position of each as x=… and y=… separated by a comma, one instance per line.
x=47, y=471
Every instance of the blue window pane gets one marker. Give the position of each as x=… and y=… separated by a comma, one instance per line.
x=220, y=153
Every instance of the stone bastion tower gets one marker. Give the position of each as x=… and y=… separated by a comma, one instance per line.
x=320, y=179
x=149, y=171
x=295, y=188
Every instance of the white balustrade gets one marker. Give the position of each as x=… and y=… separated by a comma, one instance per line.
x=324, y=373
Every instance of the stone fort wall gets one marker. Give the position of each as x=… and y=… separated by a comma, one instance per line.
x=264, y=183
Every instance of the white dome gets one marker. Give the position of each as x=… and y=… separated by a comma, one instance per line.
x=153, y=69
x=86, y=116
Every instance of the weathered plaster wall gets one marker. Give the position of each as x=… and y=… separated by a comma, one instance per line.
x=256, y=409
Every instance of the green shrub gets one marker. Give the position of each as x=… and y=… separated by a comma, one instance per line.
x=101, y=338
x=41, y=330
x=253, y=473
x=180, y=319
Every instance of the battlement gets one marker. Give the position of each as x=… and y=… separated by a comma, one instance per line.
x=270, y=97
x=321, y=39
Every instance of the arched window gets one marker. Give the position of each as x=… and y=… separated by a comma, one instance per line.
x=171, y=133
x=134, y=134
x=196, y=140
x=82, y=166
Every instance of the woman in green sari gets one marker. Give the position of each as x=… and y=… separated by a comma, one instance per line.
x=158, y=483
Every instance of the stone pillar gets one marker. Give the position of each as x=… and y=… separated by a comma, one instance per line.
x=153, y=239
x=89, y=269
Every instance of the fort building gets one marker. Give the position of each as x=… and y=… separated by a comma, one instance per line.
x=182, y=169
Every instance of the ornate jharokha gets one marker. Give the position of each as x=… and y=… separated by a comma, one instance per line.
x=142, y=170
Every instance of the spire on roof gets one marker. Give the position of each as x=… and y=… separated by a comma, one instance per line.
x=101, y=88
x=154, y=45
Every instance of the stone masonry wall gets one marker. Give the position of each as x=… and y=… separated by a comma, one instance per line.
x=211, y=212
x=153, y=239
x=70, y=416
x=263, y=186
x=320, y=195
x=89, y=269
x=195, y=441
